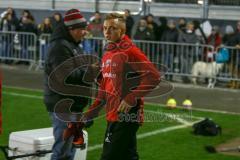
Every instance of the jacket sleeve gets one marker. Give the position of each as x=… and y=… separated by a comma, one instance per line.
x=181, y=38
x=149, y=79
x=98, y=104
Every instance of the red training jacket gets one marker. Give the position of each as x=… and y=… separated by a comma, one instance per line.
x=114, y=87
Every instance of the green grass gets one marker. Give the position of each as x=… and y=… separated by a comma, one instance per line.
x=22, y=113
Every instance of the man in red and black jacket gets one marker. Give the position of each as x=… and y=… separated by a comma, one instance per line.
x=127, y=76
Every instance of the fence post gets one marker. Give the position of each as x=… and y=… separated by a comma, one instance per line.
x=53, y=4
x=34, y=62
x=205, y=9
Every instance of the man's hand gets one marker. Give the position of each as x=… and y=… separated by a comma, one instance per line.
x=75, y=130
x=124, y=107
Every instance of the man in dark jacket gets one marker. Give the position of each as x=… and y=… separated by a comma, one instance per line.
x=56, y=19
x=152, y=24
x=129, y=22
x=186, y=53
x=64, y=46
x=171, y=33
x=169, y=51
x=161, y=28
x=237, y=41
x=143, y=32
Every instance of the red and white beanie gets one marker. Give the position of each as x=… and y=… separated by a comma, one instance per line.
x=74, y=19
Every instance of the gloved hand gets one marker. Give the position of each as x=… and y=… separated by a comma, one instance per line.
x=75, y=129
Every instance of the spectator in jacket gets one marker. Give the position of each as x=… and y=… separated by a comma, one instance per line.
x=235, y=59
x=27, y=25
x=237, y=37
x=64, y=46
x=26, y=14
x=56, y=19
x=44, y=30
x=171, y=33
x=45, y=27
x=229, y=36
x=129, y=22
x=169, y=51
x=7, y=25
x=143, y=32
x=14, y=19
x=161, y=28
x=214, y=40
x=95, y=26
x=182, y=25
x=95, y=29
x=152, y=24
x=188, y=35
x=187, y=53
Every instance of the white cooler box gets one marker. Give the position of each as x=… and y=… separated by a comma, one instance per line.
x=27, y=142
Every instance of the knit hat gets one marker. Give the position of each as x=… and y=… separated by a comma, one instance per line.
x=74, y=19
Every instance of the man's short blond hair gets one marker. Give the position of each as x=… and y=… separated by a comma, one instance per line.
x=116, y=16
x=119, y=20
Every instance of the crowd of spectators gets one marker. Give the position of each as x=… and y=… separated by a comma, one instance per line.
x=145, y=29
x=167, y=30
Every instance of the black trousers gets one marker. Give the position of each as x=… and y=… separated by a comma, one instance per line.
x=120, y=142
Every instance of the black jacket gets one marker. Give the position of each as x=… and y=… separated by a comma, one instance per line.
x=58, y=53
x=129, y=25
x=229, y=40
x=170, y=35
x=237, y=38
x=146, y=34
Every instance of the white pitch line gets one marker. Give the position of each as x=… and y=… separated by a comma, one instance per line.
x=158, y=131
x=22, y=95
x=22, y=88
x=196, y=109
x=157, y=112
x=172, y=116
x=149, y=134
x=95, y=147
x=156, y=104
x=168, y=129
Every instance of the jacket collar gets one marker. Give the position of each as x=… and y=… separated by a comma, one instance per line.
x=124, y=44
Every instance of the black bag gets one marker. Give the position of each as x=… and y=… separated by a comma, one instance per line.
x=207, y=127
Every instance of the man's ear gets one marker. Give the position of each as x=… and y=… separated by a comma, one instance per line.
x=123, y=30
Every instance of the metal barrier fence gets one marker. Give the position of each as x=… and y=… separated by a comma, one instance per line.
x=18, y=46
x=179, y=58
x=44, y=42
x=231, y=69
